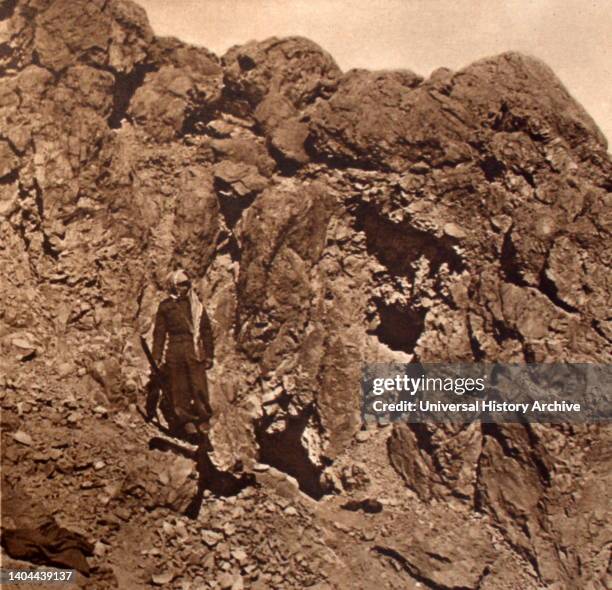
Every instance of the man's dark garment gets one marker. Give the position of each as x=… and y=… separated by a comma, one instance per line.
x=185, y=366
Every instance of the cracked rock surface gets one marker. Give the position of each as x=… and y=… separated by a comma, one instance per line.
x=329, y=219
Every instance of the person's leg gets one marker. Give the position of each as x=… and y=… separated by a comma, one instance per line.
x=180, y=389
x=199, y=384
x=153, y=391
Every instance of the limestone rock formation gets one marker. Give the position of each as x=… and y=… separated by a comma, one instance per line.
x=330, y=219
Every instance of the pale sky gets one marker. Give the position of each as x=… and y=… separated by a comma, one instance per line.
x=574, y=37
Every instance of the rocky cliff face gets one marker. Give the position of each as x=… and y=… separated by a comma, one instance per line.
x=331, y=219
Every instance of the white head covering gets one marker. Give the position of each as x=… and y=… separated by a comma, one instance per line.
x=176, y=277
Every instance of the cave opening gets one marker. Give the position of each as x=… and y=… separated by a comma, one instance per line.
x=125, y=87
x=284, y=451
x=400, y=328
x=492, y=168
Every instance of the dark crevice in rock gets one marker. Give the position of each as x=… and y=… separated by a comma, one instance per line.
x=47, y=247
x=232, y=101
x=285, y=451
x=494, y=431
x=492, y=168
x=413, y=571
x=547, y=287
x=231, y=207
x=337, y=162
x=21, y=230
x=232, y=248
x=7, y=9
x=196, y=120
x=139, y=300
x=398, y=246
x=125, y=87
x=508, y=121
x=535, y=456
x=477, y=351
x=5, y=54
x=25, y=214
x=595, y=325
x=503, y=332
x=528, y=353
x=36, y=60
x=210, y=478
x=528, y=176
x=246, y=62
x=509, y=262
x=77, y=317
x=218, y=482
x=285, y=166
x=424, y=438
x=11, y=177
x=399, y=328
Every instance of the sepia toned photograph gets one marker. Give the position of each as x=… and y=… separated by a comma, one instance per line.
x=305, y=294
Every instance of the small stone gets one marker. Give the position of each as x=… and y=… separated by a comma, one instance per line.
x=225, y=581
x=70, y=401
x=64, y=370
x=123, y=513
x=24, y=438
x=260, y=467
x=290, y=511
x=25, y=342
x=99, y=465
x=181, y=530
x=502, y=222
x=209, y=561
x=211, y=538
x=239, y=555
x=23, y=408
x=100, y=411
x=362, y=436
x=454, y=231
x=100, y=549
x=168, y=529
x=341, y=527
x=74, y=418
x=162, y=579
x=223, y=551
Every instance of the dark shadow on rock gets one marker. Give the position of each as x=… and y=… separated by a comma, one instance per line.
x=220, y=483
x=285, y=451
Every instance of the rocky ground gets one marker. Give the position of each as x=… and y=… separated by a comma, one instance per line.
x=93, y=471
x=329, y=219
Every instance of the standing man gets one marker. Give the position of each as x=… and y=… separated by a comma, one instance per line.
x=183, y=329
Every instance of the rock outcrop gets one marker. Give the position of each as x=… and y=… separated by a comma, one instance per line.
x=331, y=219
